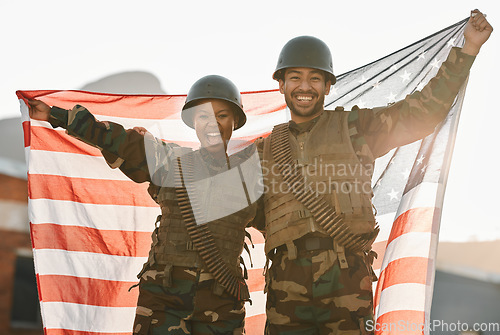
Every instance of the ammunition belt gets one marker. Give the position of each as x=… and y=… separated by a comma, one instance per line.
x=202, y=237
x=323, y=213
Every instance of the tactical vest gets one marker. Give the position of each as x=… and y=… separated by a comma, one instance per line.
x=172, y=244
x=331, y=168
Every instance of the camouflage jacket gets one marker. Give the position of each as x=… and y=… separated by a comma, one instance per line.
x=375, y=131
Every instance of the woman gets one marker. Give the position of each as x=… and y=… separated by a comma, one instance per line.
x=192, y=281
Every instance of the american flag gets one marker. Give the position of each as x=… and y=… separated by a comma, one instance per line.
x=91, y=226
x=408, y=182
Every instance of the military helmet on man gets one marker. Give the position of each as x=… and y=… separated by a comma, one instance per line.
x=305, y=51
x=213, y=87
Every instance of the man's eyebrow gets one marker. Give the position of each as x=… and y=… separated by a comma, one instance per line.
x=314, y=71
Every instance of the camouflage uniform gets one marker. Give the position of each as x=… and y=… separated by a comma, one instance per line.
x=187, y=306
x=177, y=294
x=314, y=285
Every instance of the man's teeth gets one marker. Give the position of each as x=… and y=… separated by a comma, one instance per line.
x=213, y=134
x=303, y=98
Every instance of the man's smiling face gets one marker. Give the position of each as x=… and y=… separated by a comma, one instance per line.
x=304, y=89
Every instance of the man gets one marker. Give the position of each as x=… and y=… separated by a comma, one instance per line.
x=317, y=204
x=192, y=281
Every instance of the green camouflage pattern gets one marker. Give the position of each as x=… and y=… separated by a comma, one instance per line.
x=188, y=306
x=313, y=295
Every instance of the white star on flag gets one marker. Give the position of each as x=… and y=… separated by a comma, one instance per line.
x=451, y=42
x=422, y=55
x=405, y=76
x=435, y=63
x=393, y=194
x=391, y=97
x=422, y=171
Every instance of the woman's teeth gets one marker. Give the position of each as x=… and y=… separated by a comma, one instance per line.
x=214, y=138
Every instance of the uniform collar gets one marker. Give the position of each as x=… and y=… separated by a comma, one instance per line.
x=297, y=128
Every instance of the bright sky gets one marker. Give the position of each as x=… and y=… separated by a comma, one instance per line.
x=65, y=44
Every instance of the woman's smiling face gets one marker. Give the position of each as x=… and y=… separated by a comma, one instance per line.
x=214, y=121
